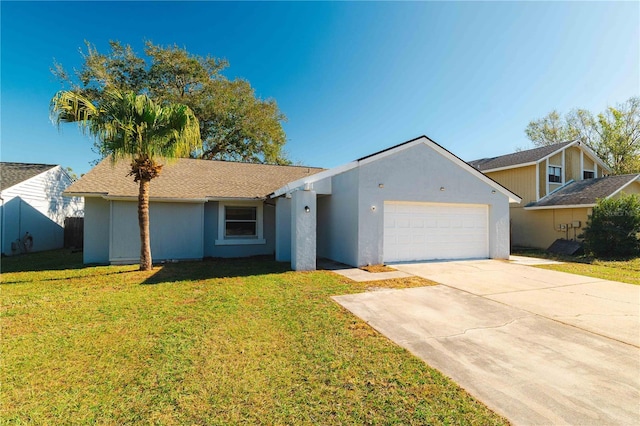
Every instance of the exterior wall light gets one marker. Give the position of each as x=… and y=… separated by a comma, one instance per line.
x=493, y=191
x=373, y=208
x=307, y=209
x=442, y=188
x=381, y=185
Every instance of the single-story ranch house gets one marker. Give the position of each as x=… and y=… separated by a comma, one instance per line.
x=413, y=201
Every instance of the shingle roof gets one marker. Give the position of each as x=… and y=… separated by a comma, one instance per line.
x=13, y=173
x=191, y=179
x=521, y=157
x=585, y=192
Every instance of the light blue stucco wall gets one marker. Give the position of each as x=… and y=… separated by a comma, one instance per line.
x=351, y=219
x=176, y=231
x=337, y=222
x=303, y=230
x=417, y=174
x=283, y=229
x=244, y=250
x=96, y=231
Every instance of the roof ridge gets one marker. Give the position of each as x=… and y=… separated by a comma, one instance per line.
x=28, y=164
x=248, y=162
x=524, y=151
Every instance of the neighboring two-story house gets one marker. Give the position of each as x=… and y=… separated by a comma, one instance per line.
x=559, y=185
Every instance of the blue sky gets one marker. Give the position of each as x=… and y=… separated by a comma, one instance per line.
x=352, y=77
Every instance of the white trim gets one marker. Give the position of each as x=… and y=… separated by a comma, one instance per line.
x=581, y=146
x=582, y=164
x=288, y=188
x=292, y=186
x=85, y=194
x=546, y=176
x=637, y=179
x=559, y=150
x=156, y=199
x=222, y=240
x=515, y=166
x=537, y=182
x=563, y=171
x=594, y=157
x=595, y=170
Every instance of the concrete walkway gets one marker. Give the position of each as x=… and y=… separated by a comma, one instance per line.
x=537, y=346
x=532, y=261
x=357, y=274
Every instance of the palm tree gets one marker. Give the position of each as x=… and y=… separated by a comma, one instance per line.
x=132, y=126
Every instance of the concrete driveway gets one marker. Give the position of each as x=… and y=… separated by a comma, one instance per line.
x=536, y=346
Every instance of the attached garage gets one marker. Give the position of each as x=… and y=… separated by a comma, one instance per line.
x=428, y=231
x=412, y=202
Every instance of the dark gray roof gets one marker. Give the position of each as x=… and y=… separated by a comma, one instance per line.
x=585, y=192
x=521, y=157
x=13, y=173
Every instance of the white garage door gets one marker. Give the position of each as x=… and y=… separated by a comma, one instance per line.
x=425, y=231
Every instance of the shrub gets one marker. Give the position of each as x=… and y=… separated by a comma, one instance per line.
x=613, y=228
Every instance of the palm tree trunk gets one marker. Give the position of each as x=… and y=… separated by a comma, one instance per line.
x=146, y=263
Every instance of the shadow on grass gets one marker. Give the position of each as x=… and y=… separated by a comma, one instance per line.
x=53, y=260
x=217, y=268
x=64, y=278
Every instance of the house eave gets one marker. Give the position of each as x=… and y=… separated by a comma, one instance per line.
x=85, y=194
x=617, y=191
x=515, y=166
x=567, y=206
x=155, y=199
x=242, y=199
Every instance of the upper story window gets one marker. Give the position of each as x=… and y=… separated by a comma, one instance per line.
x=588, y=174
x=555, y=174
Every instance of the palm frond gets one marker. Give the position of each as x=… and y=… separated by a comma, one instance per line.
x=131, y=125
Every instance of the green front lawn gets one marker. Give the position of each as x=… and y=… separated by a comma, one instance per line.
x=626, y=271
x=213, y=342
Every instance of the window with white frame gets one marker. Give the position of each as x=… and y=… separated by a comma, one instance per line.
x=555, y=174
x=239, y=223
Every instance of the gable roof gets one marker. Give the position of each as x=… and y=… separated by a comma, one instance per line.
x=291, y=186
x=520, y=158
x=189, y=179
x=585, y=193
x=14, y=173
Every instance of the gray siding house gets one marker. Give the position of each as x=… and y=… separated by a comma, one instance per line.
x=414, y=201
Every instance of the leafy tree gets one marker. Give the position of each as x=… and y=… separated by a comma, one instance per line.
x=550, y=129
x=71, y=173
x=613, y=228
x=613, y=134
x=234, y=123
x=132, y=126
